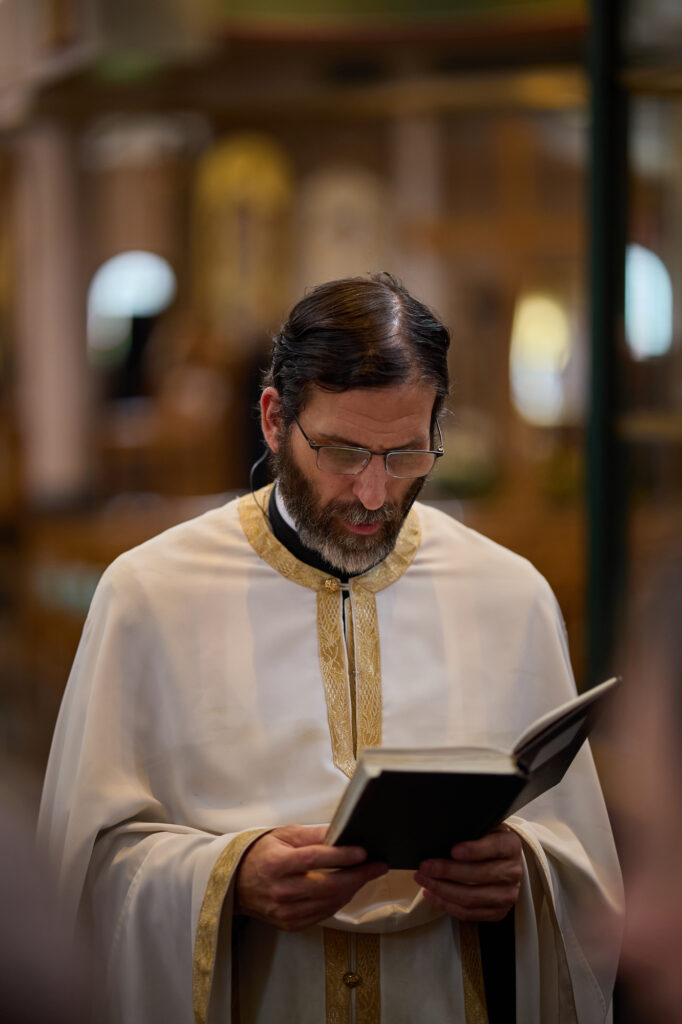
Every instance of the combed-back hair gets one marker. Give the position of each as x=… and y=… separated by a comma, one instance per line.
x=359, y=332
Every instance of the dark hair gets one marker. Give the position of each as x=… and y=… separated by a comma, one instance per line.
x=360, y=332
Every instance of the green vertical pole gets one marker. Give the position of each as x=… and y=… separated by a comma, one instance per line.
x=606, y=476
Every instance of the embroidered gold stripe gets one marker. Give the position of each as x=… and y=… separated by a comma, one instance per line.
x=368, y=992
x=350, y=651
x=217, y=898
x=336, y=960
x=349, y=978
x=333, y=666
x=475, y=1007
x=368, y=668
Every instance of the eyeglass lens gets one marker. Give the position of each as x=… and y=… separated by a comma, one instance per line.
x=350, y=461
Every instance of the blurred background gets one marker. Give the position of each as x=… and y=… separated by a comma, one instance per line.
x=174, y=174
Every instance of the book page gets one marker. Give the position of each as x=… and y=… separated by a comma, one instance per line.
x=553, y=746
x=551, y=724
x=433, y=759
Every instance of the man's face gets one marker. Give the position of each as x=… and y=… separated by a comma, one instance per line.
x=353, y=521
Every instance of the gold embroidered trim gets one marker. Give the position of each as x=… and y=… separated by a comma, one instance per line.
x=368, y=668
x=566, y=997
x=475, y=1007
x=368, y=992
x=334, y=663
x=217, y=896
x=350, y=653
x=264, y=543
x=336, y=962
x=334, y=669
x=364, y=975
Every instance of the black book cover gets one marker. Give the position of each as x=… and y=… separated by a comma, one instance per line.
x=433, y=811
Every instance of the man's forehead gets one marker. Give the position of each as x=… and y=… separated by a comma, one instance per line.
x=399, y=414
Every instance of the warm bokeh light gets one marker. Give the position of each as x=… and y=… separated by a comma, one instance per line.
x=539, y=354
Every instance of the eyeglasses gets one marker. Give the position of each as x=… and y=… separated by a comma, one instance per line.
x=342, y=460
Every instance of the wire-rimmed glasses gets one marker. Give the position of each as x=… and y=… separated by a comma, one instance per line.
x=402, y=463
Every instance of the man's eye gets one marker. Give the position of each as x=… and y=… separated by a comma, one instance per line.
x=342, y=458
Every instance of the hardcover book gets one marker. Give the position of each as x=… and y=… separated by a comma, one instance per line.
x=406, y=805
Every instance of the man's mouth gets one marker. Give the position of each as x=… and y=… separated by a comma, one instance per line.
x=362, y=528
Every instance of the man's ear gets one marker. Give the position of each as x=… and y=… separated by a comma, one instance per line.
x=271, y=417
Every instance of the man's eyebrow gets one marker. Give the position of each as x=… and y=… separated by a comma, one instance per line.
x=335, y=439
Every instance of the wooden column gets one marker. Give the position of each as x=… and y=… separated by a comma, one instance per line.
x=53, y=386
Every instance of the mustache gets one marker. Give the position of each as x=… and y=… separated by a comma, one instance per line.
x=358, y=515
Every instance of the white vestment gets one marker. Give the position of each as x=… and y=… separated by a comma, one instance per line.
x=210, y=700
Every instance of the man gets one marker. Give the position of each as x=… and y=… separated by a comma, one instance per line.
x=232, y=668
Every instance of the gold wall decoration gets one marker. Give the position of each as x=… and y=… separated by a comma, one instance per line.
x=241, y=223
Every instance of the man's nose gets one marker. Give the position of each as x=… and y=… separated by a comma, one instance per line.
x=370, y=485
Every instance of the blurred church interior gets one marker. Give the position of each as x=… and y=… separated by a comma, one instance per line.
x=174, y=175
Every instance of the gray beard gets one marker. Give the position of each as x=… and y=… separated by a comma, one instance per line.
x=352, y=554
x=319, y=529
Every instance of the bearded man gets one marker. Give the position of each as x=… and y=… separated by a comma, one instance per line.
x=232, y=669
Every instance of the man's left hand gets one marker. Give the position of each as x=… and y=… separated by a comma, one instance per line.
x=481, y=881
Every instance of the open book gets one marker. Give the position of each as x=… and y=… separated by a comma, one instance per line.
x=404, y=805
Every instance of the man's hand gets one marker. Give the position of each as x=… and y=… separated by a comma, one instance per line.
x=289, y=879
x=482, y=880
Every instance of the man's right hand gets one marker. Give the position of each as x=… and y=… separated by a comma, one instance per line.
x=291, y=880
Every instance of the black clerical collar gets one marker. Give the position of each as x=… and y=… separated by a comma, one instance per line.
x=286, y=535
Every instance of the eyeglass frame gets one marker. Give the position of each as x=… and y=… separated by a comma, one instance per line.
x=437, y=453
